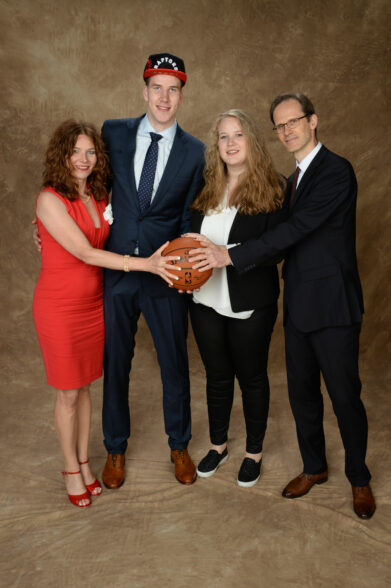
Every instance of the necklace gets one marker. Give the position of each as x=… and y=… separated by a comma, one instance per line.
x=85, y=199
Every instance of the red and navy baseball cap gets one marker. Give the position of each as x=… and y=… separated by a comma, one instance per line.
x=165, y=63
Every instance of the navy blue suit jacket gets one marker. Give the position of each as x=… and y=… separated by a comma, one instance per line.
x=322, y=285
x=169, y=214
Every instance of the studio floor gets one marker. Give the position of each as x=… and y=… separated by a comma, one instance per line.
x=154, y=532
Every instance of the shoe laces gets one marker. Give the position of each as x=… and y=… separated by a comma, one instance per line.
x=181, y=455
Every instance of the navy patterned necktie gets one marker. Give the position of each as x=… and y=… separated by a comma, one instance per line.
x=147, y=177
x=294, y=184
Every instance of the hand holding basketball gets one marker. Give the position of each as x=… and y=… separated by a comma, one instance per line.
x=161, y=266
x=209, y=255
x=189, y=278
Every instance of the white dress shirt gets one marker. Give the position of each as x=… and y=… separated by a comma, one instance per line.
x=215, y=294
x=304, y=163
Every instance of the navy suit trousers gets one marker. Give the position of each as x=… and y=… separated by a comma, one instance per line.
x=166, y=318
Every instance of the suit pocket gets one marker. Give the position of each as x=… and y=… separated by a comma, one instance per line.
x=318, y=273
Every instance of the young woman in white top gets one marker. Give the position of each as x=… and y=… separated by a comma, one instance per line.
x=233, y=316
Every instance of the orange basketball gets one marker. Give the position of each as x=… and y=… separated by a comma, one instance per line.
x=189, y=278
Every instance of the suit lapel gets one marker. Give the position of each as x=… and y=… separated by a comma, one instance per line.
x=235, y=224
x=196, y=221
x=129, y=148
x=174, y=163
x=308, y=174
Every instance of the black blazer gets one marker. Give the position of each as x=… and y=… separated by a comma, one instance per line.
x=322, y=284
x=169, y=214
x=258, y=287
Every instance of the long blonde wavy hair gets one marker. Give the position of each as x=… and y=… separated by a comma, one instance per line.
x=260, y=188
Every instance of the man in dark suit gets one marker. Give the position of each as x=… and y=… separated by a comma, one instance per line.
x=157, y=171
x=323, y=302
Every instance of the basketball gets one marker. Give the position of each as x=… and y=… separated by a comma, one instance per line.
x=189, y=278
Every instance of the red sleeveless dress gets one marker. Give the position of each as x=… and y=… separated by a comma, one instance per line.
x=68, y=304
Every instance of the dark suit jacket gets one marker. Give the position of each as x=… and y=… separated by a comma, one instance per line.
x=322, y=285
x=169, y=214
x=258, y=287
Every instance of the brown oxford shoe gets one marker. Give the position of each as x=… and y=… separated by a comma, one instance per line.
x=185, y=471
x=303, y=484
x=114, y=472
x=363, y=501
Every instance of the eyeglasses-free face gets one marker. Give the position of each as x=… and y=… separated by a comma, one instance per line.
x=232, y=144
x=163, y=95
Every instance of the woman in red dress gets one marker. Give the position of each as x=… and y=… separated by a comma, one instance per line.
x=68, y=299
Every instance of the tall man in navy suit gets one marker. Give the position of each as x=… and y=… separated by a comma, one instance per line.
x=323, y=302
x=139, y=228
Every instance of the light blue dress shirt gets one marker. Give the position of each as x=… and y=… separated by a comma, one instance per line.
x=143, y=141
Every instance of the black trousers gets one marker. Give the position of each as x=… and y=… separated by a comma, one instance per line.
x=334, y=353
x=232, y=347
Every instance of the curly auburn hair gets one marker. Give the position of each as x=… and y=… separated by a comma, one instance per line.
x=57, y=173
x=260, y=189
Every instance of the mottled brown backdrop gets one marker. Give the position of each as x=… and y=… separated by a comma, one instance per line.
x=85, y=59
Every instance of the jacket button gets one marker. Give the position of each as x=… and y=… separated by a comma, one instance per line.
x=140, y=218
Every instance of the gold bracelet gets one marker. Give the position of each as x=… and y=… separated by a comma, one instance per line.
x=126, y=263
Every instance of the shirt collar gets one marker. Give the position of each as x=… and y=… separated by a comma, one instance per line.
x=304, y=163
x=145, y=128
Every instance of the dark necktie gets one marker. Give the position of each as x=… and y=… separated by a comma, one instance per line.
x=294, y=184
x=147, y=177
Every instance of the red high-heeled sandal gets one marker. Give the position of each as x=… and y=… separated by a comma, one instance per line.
x=76, y=498
x=95, y=484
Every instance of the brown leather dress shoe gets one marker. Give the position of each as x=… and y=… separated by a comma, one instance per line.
x=185, y=471
x=303, y=484
x=114, y=472
x=363, y=501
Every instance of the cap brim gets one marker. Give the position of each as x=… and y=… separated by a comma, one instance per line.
x=171, y=72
